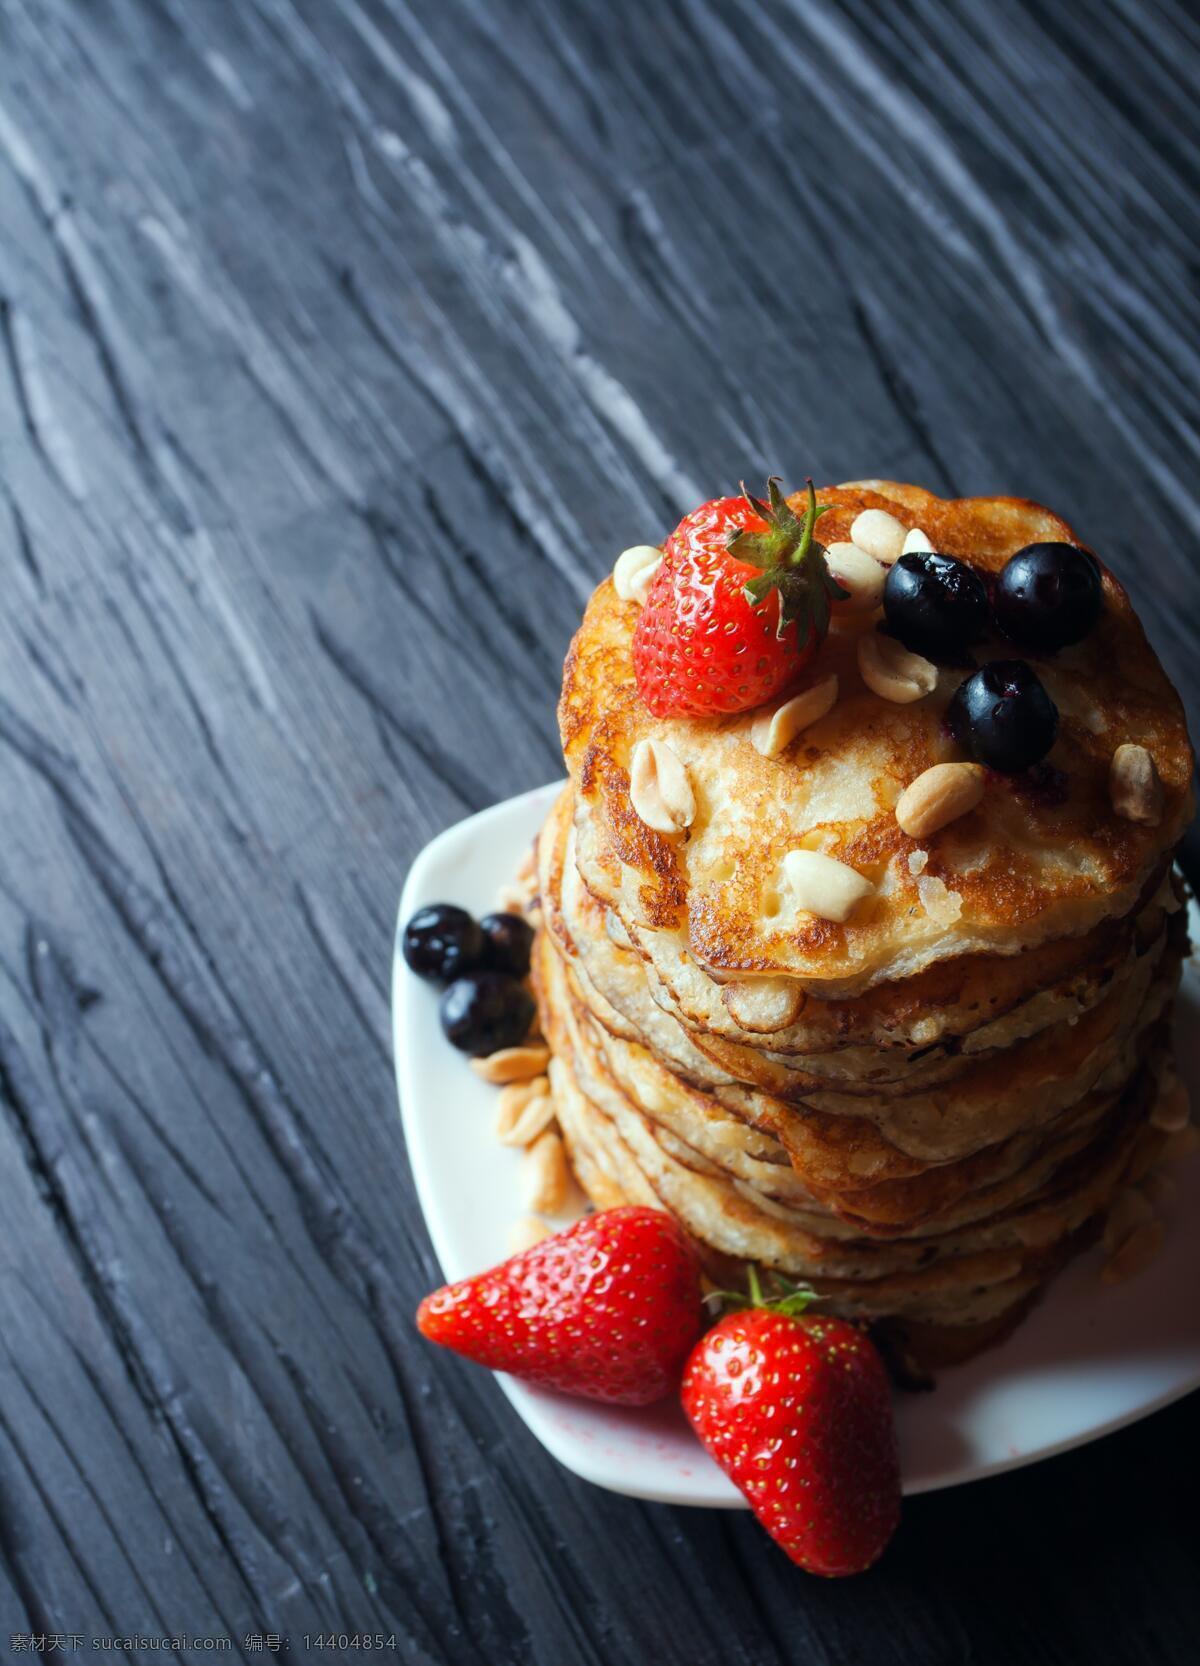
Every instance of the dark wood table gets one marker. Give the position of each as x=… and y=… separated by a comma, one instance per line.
x=342, y=346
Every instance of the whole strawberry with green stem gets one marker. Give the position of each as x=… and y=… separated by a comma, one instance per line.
x=796, y=1408
x=739, y=607
x=607, y=1309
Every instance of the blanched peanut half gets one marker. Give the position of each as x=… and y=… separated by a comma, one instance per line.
x=857, y=572
x=763, y=1005
x=1135, y=1252
x=546, y=1179
x=659, y=789
x=880, y=534
x=889, y=670
x=916, y=542
x=1134, y=786
x=823, y=886
x=635, y=571
x=1130, y=1209
x=1173, y=1108
x=1160, y=1190
x=773, y=732
x=525, y=1233
x=938, y=796
x=1181, y=1145
x=512, y=1064
x=525, y=1111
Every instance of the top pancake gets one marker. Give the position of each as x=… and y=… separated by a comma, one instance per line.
x=1027, y=866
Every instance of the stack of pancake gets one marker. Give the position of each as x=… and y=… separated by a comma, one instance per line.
x=920, y=1112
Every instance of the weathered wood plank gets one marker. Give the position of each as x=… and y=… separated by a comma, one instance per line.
x=297, y=300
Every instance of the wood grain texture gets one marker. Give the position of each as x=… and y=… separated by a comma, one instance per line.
x=297, y=297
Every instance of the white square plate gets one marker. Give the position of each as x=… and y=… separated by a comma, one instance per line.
x=1088, y=1360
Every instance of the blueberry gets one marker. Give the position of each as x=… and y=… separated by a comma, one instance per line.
x=441, y=942
x=508, y=940
x=1047, y=596
x=936, y=605
x=485, y=1011
x=1003, y=716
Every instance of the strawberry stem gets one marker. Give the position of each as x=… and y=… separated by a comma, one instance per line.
x=792, y=1301
x=811, y=515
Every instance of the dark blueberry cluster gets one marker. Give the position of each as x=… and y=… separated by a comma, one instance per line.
x=485, y=1005
x=1045, y=597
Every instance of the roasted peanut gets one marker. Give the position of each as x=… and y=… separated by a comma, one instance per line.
x=512, y=1064
x=938, y=796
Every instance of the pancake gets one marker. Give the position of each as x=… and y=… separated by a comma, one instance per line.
x=1052, y=1023
x=899, y=1194
x=963, y=1278
x=616, y=979
x=990, y=1098
x=973, y=1002
x=1024, y=868
x=629, y=986
x=908, y=1196
x=964, y=1116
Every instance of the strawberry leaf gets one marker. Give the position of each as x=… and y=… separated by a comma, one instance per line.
x=791, y=562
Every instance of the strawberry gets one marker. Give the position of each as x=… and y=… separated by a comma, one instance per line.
x=739, y=607
x=607, y=1309
x=797, y=1411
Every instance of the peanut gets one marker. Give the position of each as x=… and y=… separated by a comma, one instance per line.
x=889, y=670
x=546, y=1178
x=525, y=1233
x=1173, y=1107
x=937, y=797
x=1160, y=1189
x=1134, y=785
x=1129, y=1211
x=635, y=571
x=1136, y=1253
x=857, y=572
x=523, y=1111
x=1182, y=1144
x=823, y=886
x=659, y=788
x=763, y=1005
x=512, y=1064
x=773, y=732
x=880, y=534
